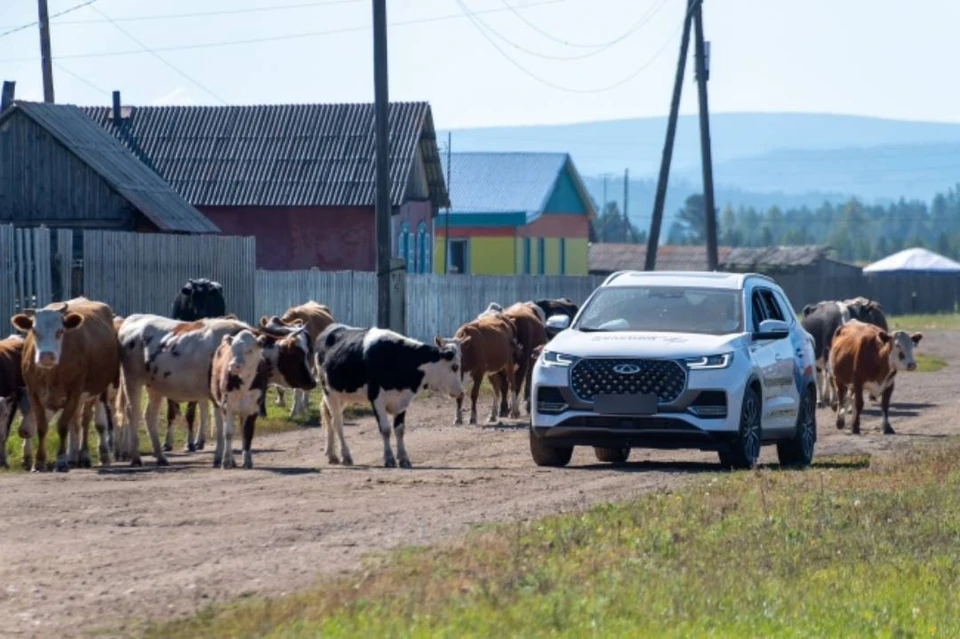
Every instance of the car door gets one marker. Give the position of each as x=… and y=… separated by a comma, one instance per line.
x=763, y=353
x=785, y=396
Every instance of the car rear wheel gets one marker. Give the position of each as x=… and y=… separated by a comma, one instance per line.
x=798, y=450
x=612, y=455
x=544, y=455
x=745, y=447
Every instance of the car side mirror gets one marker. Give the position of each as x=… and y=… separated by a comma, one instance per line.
x=772, y=329
x=558, y=322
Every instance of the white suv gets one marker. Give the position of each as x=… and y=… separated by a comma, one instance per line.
x=704, y=360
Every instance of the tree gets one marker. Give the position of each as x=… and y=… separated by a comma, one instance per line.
x=692, y=220
x=609, y=227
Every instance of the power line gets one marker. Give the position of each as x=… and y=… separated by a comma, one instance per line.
x=78, y=78
x=580, y=56
x=553, y=85
x=601, y=45
x=204, y=14
x=36, y=22
x=290, y=36
x=157, y=56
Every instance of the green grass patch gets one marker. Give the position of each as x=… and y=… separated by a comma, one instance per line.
x=276, y=421
x=929, y=363
x=850, y=547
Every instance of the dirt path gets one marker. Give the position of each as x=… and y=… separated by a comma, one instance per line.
x=90, y=549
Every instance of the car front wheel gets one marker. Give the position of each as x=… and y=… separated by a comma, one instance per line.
x=745, y=447
x=798, y=450
x=544, y=455
x=612, y=455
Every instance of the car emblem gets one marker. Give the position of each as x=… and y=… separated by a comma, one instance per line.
x=626, y=369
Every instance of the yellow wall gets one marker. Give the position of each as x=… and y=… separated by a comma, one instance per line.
x=491, y=255
x=504, y=255
x=551, y=265
x=439, y=254
x=577, y=256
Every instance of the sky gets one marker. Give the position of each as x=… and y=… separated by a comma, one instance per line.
x=498, y=62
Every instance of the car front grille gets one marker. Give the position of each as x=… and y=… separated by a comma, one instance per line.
x=664, y=378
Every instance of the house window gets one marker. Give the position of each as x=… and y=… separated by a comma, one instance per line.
x=458, y=256
x=563, y=256
x=422, y=246
x=541, y=257
x=526, y=255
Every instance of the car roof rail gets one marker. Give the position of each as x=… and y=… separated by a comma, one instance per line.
x=613, y=276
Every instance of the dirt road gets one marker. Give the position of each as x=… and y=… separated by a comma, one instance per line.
x=93, y=549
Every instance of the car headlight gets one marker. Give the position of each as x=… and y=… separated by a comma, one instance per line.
x=709, y=362
x=553, y=358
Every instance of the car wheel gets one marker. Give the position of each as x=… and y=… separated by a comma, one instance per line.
x=745, y=447
x=798, y=450
x=612, y=455
x=544, y=455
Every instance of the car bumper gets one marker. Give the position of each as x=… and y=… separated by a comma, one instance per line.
x=674, y=426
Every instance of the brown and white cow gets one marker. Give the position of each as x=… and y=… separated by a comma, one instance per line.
x=866, y=357
x=236, y=397
x=315, y=317
x=13, y=394
x=489, y=346
x=531, y=333
x=70, y=357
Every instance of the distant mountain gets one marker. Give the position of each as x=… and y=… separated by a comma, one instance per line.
x=760, y=159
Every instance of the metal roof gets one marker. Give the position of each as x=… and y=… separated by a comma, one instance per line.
x=769, y=257
x=607, y=257
x=134, y=181
x=508, y=182
x=279, y=155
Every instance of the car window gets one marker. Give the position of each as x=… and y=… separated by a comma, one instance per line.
x=759, y=312
x=771, y=309
x=663, y=309
x=786, y=309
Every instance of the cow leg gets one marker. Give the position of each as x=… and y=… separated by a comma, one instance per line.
x=134, y=414
x=103, y=422
x=857, y=407
x=152, y=415
x=68, y=416
x=841, y=396
x=217, y=436
x=27, y=430
x=248, y=426
x=281, y=401
x=474, y=395
x=885, y=408
x=228, y=421
x=173, y=410
x=504, y=385
x=383, y=421
x=458, y=420
x=332, y=416
x=398, y=429
x=499, y=392
x=299, y=403
x=83, y=429
x=201, y=433
x=519, y=376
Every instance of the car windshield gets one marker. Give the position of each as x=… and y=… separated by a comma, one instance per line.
x=663, y=309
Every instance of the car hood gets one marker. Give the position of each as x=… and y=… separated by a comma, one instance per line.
x=642, y=344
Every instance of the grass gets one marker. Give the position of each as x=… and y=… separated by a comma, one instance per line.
x=276, y=421
x=929, y=363
x=851, y=547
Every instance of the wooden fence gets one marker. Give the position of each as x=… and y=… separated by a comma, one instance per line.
x=898, y=294
x=142, y=272
x=36, y=267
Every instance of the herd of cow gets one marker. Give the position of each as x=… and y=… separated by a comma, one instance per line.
x=79, y=359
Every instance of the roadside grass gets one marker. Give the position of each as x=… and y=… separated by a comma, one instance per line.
x=929, y=363
x=852, y=547
x=921, y=322
x=276, y=421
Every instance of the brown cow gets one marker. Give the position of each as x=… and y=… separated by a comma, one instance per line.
x=71, y=356
x=488, y=345
x=316, y=317
x=864, y=356
x=12, y=393
x=531, y=333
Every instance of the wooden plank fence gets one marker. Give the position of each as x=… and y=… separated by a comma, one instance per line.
x=32, y=272
x=351, y=295
x=142, y=272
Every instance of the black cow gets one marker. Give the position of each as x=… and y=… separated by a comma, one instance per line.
x=822, y=320
x=198, y=299
x=561, y=306
x=386, y=370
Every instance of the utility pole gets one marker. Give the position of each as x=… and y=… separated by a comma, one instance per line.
x=46, y=59
x=654, y=238
x=703, y=74
x=626, y=219
x=382, y=208
x=446, y=230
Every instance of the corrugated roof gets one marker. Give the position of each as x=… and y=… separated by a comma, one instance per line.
x=609, y=257
x=769, y=257
x=134, y=181
x=507, y=182
x=279, y=155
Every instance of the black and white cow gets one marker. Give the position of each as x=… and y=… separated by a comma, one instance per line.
x=560, y=306
x=822, y=320
x=386, y=370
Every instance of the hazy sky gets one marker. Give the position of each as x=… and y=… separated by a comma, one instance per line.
x=886, y=58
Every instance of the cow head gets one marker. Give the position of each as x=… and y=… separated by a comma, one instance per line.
x=245, y=349
x=901, y=351
x=48, y=326
x=280, y=326
x=444, y=375
x=202, y=298
x=291, y=354
x=492, y=309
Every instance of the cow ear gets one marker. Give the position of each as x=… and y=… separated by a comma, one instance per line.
x=22, y=322
x=438, y=340
x=72, y=321
x=227, y=339
x=264, y=320
x=883, y=336
x=916, y=337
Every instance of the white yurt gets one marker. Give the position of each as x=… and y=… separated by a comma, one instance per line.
x=915, y=281
x=914, y=260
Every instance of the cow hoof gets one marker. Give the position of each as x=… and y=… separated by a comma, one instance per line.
x=458, y=421
x=190, y=448
x=347, y=460
x=247, y=460
x=390, y=462
x=405, y=463
x=888, y=431
x=4, y=464
x=333, y=460
x=167, y=448
x=26, y=464
x=61, y=467
x=136, y=462
x=199, y=445
x=163, y=461
x=86, y=463
x=229, y=463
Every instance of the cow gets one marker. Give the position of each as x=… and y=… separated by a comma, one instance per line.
x=864, y=356
x=560, y=306
x=70, y=357
x=488, y=345
x=172, y=360
x=13, y=394
x=531, y=333
x=235, y=394
x=315, y=317
x=822, y=320
x=385, y=369
x=199, y=298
